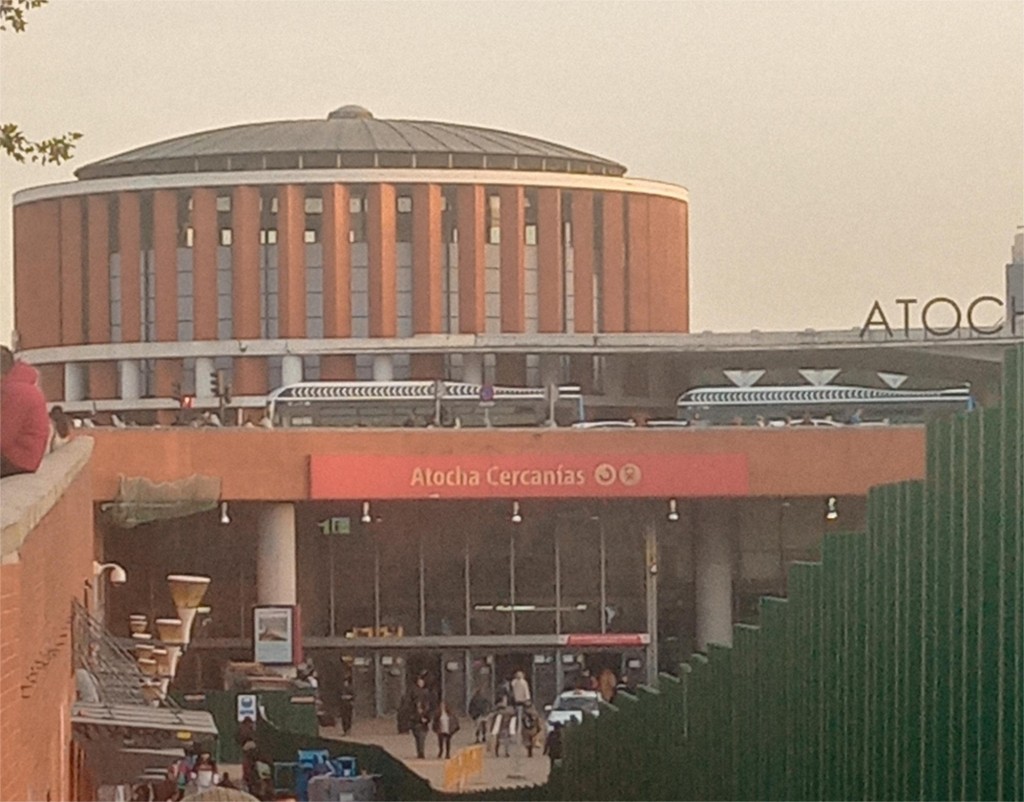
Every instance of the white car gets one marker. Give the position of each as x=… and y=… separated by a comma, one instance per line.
x=571, y=705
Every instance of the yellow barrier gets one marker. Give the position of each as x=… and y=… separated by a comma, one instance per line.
x=467, y=763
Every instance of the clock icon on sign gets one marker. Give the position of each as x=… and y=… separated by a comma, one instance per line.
x=605, y=474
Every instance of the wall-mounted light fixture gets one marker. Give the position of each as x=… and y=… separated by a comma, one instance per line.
x=673, y=510
x=831, y=509
x=517, y=517
x=225, y=519
x=366, y=518
x=118, y=576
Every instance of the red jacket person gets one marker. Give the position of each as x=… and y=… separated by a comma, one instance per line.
x=24, y=422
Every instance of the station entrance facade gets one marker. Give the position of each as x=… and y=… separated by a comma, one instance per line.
x=471, y=567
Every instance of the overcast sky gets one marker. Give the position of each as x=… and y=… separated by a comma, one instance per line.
x=835, y=152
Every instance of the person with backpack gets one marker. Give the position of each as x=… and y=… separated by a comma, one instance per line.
x=530, y=729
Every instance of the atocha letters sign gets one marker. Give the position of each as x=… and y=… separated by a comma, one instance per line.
x=956, y=316
x=611, y=475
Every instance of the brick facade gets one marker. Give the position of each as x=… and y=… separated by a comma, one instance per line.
x=37, y=687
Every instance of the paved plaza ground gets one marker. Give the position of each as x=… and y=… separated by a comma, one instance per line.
x=499, y=772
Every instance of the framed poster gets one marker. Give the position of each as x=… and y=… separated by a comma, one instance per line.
x=275, y=634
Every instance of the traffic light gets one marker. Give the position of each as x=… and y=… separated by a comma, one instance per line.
x=219, y=386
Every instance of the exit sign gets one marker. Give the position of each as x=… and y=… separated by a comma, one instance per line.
x=338, y=525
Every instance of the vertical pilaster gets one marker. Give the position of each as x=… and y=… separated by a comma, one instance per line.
x=470, y=221
x=613, y=265
x=291, y=256
x=165, y=263
x=513, y=260
x=669, y=300
x=380, y=237
x=550, y=267
x=130, y=246
x=427, y=305
x=70, y=287
x=205, y=237
x=250, y=373
x=337, y=280
x=583, y=260
x=102, y=375
x=638, y=269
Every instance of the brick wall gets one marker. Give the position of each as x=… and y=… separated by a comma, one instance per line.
x=38, y=579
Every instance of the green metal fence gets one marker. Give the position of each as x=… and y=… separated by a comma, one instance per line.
x=892, y=671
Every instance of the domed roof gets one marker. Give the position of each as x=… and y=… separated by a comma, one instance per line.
x=350, y=137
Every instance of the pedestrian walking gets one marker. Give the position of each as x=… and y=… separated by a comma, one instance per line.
x=530, y=729
x=553, y=744
x=446, y=724
x=346, y=705
x=504, y=729
x=479, y=708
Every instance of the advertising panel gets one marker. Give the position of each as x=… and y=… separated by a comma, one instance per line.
x=275, y=635
x=584, y=475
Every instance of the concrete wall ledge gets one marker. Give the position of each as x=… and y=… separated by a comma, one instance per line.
x=27, y=498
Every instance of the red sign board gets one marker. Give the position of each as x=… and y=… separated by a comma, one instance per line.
x=449, y=476
x=595, y=639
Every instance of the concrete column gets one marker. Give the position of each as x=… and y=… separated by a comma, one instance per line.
x=74, y=381
x=383, y=368
x=275, y=555
x=473, y=368
x=204, y=377
x=550, y=369
x=714, y=569
x=128, y=374
x=614, y=378
x=291, y=369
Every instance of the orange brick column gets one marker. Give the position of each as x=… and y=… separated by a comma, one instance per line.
x=165, y=266
x=426, y=275
x=102, y=375
x=583, y=260
x=130, y=247
x=638, y=268
x=205, y=237
x=470, y=222
x=550, y=269
x=381, y=261
x=337, y=280
x=613, y=266
x=37, y=273
x=70, y=286
x=250, y=373
x=37, y=282
x=670, y=303
x=291, y=261
x=510, y=369
x=71, y=329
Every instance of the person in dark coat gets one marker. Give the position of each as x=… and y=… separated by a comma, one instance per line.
x=416, y=714
x=25, y=424
x=346, y=702
x=553, y=744
x=479, y=708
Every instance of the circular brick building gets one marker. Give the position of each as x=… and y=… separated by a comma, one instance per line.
x=344, y=248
